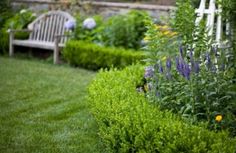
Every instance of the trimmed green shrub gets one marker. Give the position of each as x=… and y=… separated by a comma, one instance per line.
x=129, y=123
x=92, y=56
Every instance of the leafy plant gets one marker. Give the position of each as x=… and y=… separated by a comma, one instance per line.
x=18, y=21
x=197, y=91
x=184, y=21
x=90, y=35
x=125, y=30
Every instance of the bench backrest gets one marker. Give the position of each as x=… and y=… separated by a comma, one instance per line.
x=46, y=26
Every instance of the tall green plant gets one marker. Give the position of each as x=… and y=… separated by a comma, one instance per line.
x=18, y=21
x=184, y=21
x=191, y=35
x=5, y=12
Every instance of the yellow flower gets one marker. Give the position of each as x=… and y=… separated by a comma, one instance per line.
x=173, y=34
x=165, y=27
x=145, y=88
x=167, y=33
x=163, y=58
x=218, y=118
x=146, y=38
x=158, y=27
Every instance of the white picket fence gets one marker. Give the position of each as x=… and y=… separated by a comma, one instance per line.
x=214, y=22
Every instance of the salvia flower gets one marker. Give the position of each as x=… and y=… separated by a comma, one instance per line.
x=183, y=68
x=70, y=24
x=208, y=59
x=168, y=63
x=89, y=23
x=186, y=71
x=161, y=69
x=177, y=62
x=181, y=51
x=149, y=72
x=180, y=65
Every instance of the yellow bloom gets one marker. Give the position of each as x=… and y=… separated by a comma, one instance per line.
x=163, y=58
x=145, y=88
x=146, y=38
x=173, y=34
x=165, y=27
x=167, y=33
x=218, y=118
x=158, y=27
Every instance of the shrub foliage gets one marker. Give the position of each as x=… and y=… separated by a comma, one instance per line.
x=92, y=56
x=129, y=123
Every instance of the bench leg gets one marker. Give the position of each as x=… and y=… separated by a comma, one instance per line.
x=11, y=47
x=56, y=52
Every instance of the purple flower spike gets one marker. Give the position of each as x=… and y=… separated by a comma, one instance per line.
x=196, y=67
x=149, y=72
x=181, y=51
x=177, y=63
x=161, y=69
x=186, y=71
x=208, y=59
x=168, y=63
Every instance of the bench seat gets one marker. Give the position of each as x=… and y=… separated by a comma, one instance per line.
x=37, y=44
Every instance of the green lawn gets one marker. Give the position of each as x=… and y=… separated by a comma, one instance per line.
x=43, y=109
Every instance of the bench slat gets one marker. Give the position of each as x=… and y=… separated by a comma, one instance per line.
x=45, y=29
x=63, y=30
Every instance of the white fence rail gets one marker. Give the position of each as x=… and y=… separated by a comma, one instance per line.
x=214, y=22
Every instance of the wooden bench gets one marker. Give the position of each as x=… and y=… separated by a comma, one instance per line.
x=46, y=32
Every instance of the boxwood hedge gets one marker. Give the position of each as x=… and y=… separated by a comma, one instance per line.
x=93, y=56
x=129, y=123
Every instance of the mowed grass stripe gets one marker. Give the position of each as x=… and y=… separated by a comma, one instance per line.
x=43, y=109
